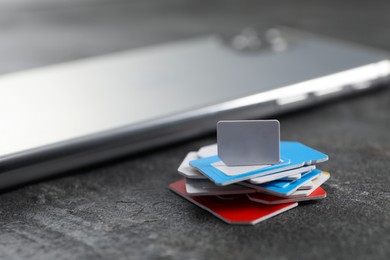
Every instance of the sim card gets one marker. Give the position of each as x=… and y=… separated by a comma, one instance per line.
x=294, y=155
x=200, y=187
x=269, y=188
x=235, y=210
x=317, y=194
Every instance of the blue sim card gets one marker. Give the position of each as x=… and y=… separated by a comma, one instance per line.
x=285, y=191
x=294, y=155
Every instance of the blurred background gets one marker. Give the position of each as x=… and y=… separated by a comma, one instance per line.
x=40, y=32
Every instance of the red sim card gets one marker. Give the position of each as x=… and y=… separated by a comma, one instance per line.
x=239, y=210
x=319, y=193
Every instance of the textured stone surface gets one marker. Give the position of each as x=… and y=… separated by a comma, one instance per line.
x=123, y=209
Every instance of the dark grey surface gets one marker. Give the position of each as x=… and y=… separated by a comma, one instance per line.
x=123, y=209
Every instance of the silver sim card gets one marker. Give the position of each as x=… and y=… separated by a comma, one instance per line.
x=248, y=142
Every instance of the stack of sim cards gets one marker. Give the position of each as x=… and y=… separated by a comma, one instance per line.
x=246, y=193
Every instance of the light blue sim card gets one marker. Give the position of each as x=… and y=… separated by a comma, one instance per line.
x=287, y=190
x=293, y=155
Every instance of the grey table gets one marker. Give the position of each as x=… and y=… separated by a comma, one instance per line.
x=123, y=209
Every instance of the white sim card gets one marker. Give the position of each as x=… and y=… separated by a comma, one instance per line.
x=292, y=177
x=208, y=150
x=284, y=174
x=307, y=186
x=186, y=170
x=200, y=187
